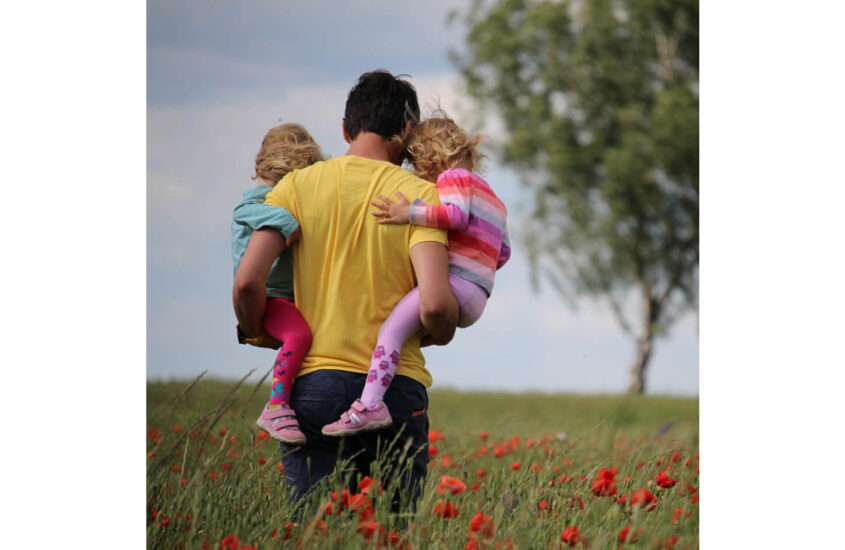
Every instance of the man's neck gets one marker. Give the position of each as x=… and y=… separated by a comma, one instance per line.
x=372, y=146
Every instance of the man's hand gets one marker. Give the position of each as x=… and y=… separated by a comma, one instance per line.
x=392, y=212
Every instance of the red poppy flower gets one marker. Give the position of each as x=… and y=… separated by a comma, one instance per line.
x=665, y=481
x=566, y=462
x=262, y=435
x=516, y=465
x=434, y=435
x=480, y=473
x=432, y=451
x=644, y=498
x=368, y=528
x=570, y=535
x=446, y=461
x=626, y=536
x=230, y=543
x=475, y=486
x=446, y=510
x=498, y=452
x=262, y=461
x=605, y=484
x=451, y=484
x=675, y=457
x=484, y=436
x=481, y=525
x=621, y=499
x=367, y=486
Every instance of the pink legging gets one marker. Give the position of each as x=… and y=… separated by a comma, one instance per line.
x=403, y=322
x=284, y=322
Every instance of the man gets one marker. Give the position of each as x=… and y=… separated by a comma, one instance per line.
x=349, y=273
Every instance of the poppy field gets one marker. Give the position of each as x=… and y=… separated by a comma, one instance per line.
x=505, y=471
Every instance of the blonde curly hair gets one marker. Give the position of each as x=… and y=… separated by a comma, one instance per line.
x=438, y=144
x=284, y=149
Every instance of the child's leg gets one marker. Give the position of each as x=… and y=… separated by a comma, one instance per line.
x=471, y=300
x=403, y=322
x=284, y=322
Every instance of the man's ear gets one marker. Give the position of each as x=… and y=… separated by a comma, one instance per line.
x=345, y=133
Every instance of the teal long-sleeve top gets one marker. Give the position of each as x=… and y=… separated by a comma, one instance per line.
x=252, y=214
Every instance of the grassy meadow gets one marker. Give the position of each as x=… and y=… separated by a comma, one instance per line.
x=507, y=471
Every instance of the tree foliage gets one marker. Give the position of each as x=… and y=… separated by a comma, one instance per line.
x=599, y=100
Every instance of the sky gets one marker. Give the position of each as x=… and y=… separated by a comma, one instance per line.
x=220, y=74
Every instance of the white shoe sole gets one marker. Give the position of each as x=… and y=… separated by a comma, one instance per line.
x=372, y=426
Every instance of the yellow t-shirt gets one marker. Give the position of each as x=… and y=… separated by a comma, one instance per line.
x=349, y=270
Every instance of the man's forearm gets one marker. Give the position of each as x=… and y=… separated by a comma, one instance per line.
x=438, y=307
x=249, y=291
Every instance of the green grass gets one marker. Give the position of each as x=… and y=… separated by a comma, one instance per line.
x=206, y=462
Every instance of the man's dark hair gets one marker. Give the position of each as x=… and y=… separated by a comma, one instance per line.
x=380, y=103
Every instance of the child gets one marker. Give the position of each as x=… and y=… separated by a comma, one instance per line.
x=284, y=149
x=441, y=153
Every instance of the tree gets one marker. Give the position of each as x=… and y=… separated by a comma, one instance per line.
x=599, y=100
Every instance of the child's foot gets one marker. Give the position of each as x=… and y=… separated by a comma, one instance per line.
x=281, y=424
x=360, y=419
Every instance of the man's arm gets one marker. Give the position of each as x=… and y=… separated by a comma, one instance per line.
x=249, y=292
x=438, y=307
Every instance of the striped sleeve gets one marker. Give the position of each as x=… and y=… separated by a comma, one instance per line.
x=504, y=251
x=455, y=193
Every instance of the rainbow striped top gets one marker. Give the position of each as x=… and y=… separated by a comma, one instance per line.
x=476, y=220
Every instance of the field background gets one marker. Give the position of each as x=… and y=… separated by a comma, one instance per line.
x=214, y=482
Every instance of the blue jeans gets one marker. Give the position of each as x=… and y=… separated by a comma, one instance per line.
x=321, y=396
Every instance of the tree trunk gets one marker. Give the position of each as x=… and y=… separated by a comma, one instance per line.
x=636, y=380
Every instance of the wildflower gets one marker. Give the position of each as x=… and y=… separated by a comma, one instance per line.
x=536, y=468
x=226, y=466
x=605, y=483
x=566, y=462
x=665, y=481
x=434, y=435
x=481, y=525
x=432, y=451
x=480, y=473
x=262, y=461
x=475, y=486
x=213, y=476
x=645, y=499
x=570, y=535
x=366, y=486
x=622, y=499
x=281, y=467
x=516, y=465
x=481, y=451
x=498, y=452
x=263, y=435
x=626, y=536
x=577, y=500
x=446, y=510
x=675, y=456
x=230, y=543
x=368, y=528
x=446, y=461
x=451, y=484
x=484, y=436
x=177, y=429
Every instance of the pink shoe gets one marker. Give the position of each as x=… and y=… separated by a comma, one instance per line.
x=359, y=419
x=281, y=424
